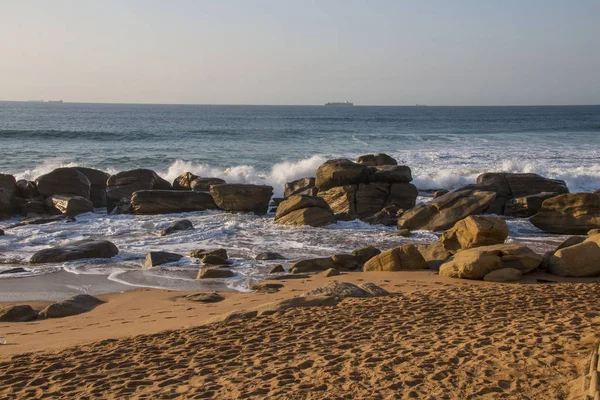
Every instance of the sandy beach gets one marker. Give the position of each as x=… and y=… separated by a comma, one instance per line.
x=433, y=337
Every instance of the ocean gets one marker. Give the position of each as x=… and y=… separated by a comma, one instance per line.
x=446, y=147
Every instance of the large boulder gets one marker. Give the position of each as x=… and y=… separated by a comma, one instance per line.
x=98, y=182
x=527, y=206
x=341, y=199
x=370, y=198
x=304, y=210
x=7, y=208
x=504, y=275
x=312, y=265
x=9, y=183
x=184, y=181
x=435, y=254
x=204, y=184
x=77, y=304
x=340, y=172
x=75, y=251
x=69, y=204
x=21, y=313
x=27, y=189
x=124, y=184
x=571, y=214
x=445, y=211
x=475, y=231
x=406, y=257
x=477, y=262
x=170, y=201
x=366, y=253
x=242, y=197
x=300, y=186
x=64, y=181
x=402, y=195
x=155, y=258
x=390, y=174
x=578, y=260
x=376, y=160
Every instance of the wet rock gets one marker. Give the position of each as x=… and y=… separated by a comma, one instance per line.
x=75, y=251
x=312, y=265
x=340, y=172
x=20, y=313
x=9, y=183
x=212, y=259
x=1, y=232
x=268, y=255
x=391, y=174
x=181, y=225
x=184, y=181
x=347, y=262
x=64, y=181
x=27, y=189
x=439, y=193
x=278, y=269
x=445, y=211
x=477, y=262
x=242, y=198
x=34, y=207
x=405, y=257
x=366, y=253
x=475, y=231
x=170, y=201
x=403, y=232
x=213, y=297
x=330, y=272
x=304, y=210
x=98, y=182
x=201, y=253
x=571, y=214
x=155, y=258
x=263, y=287
x=7, y=209
x=382, y=217
x=304, y=186
x=204, y=184
x=376, y=160
x=13, y=271
x=214, y=273
x=69, y=204
x=43, y=220
x=525, y=207
x=124, y=184
x=78, y=304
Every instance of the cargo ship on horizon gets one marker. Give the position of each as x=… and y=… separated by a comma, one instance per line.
x=340, y=103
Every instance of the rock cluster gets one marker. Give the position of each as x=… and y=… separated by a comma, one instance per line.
x=77, y=304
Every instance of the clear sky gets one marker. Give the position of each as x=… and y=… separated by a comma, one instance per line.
x=379, y=52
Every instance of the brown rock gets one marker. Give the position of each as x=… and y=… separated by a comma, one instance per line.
x=9, y=183
x=339, y=290
x=504, y=275
x=269, y=255
x=263, y=287
x=278, y=269
x=403, y=232
x=300, y=186
x=366, y=253
x=184, y=181
x=341, y=199
x=477, y=262
x=213, y=297
x=64, y=181
x=340, y=172
x=170, y=201
x=475, y=231
x=573, y=240
x=69, y=204
x=390, y=174
x=347, y=262
x=98, y=182
x=311, y=265
x=439, y=193
x=204, y=184
x=435, y=254
x=214, y=273
x=370, y=198
x=525, y=207
x=403, y=195
x=213, y=259
x=376, y=160
x=304, y=210
x=579, y=260
x=75, y=251
x=21, y=313
x=242, y=198
x=27, y=189
x=77, y=304
x=181, y=225
x=571, y=214
x=373, y=289
x=7, y=209
x=125, y=183
x=330, y=272
x=201, y=253
x=405, y=257
x=155, y=258
x=445, y=211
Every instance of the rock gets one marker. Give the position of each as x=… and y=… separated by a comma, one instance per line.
x=435, y=254
x=43, y=220
x=155, y=258
x=341, y=199
x=391, y=174
x=304, y=186
x=304, y=210
x=17, y=270
x=312, y=265
x=184, y=181
x=204, y=184
x=6, y=204
x=122, y=206
x=330, y=272
x=1, y=232
x=87, y=248
x=373, y=289
x=201, y=253
x=213, y=297
x=125, y=183
x=347, y=262
x=340, y=172
x=280, y=305
x=9, y=183
x=266, y=287
x=213, y=273
x=382, y=217
x=64, y=181
x=477, y=262
x=571, y=214
x=376, y=160
x=403, y=195
x=579, y=260
x=278, y=269
x=26, y=189
x=525, y=207
x=72, y=306
x=475, y=231
x=98, y=182
x=445, y=211
x=242, y=198
x=269, y=256
x=339, y=290
x=573, y=240
x=503, y=275
x=181, y=225
x=68, y=204
x=439, y=193
x=212, y=259
x=34, y=207
x=370, y=198
x=406, y=257
x=403, y=232
x=593, y=232
x=289, y=276
x=21, y=313
x=170, y=201
x=366, y=253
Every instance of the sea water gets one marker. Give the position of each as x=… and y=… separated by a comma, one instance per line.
x=446, y=147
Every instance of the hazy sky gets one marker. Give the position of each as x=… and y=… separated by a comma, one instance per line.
x=302, y=52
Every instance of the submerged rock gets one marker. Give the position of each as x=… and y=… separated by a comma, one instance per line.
x=181, y=225
x=75, y=251
x=269, y=255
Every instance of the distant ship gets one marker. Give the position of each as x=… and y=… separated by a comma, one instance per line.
x=340, y=103
x=55, y=101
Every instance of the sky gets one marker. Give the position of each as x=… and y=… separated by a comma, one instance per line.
x=372, y=52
